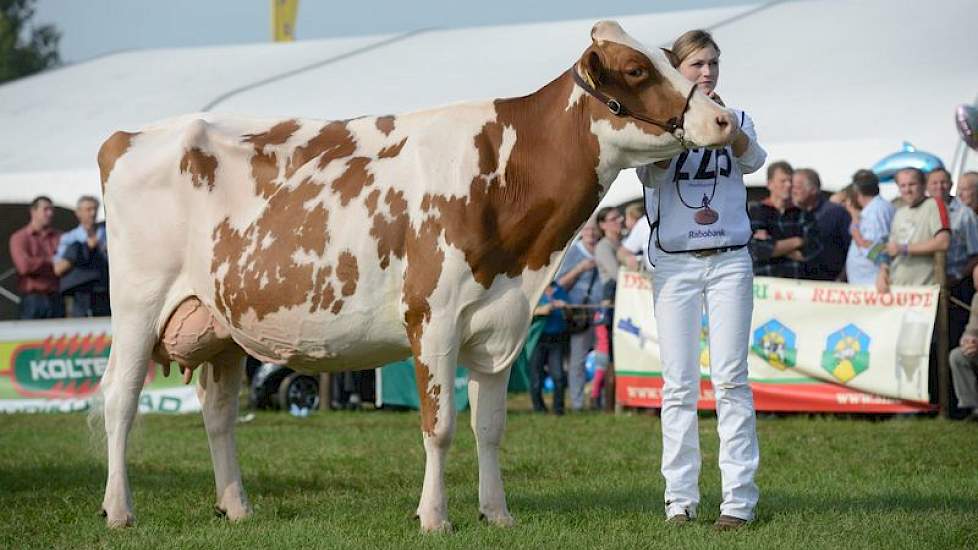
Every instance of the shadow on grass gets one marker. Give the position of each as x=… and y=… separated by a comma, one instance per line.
x=91, y=475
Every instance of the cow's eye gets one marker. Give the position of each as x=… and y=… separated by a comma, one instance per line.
x=637, y=72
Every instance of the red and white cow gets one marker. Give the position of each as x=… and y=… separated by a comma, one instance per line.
x=330, y=246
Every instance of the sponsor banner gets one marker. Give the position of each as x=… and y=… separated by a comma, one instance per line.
x=56, y=366
x=813, y=346
x=646, y=391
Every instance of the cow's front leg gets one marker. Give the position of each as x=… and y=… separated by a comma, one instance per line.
x=218, y=388
x=487, y=399
x=436, y=384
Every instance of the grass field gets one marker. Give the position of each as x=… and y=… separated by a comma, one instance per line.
x=337, y=480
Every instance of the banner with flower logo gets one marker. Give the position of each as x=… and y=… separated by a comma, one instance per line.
x=814, y=346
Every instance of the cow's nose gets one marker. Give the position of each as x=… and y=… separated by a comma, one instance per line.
x=726, y=125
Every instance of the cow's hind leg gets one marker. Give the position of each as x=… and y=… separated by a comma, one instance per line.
x=132, y=343
x=487, y=399
x=436, y=384
x=218, y=386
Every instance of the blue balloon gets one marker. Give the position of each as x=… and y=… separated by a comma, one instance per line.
x=907, y=157
x=548, y=385
x=590, y=365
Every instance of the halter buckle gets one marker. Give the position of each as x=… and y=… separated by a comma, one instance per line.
x=614, y=106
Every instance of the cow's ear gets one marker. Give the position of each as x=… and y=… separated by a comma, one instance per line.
x=673, y=60
x=593, y=66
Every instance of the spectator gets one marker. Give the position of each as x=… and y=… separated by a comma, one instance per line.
x=633, y=214
x=962, y=254
x=32, y=248
x=920, y=228
x=833, y=226
x=606, y=255
x=785, y=236
x=964, y=365
x=871, y=218
x=606, y=251
x=603, y=355
x=82, y=263
x=579, y=277
x=634, y=251
x=548, y=355
x=968, y=190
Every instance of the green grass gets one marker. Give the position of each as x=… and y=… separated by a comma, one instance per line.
x=353, y=479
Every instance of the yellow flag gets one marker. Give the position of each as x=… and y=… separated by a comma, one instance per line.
x=283, y=19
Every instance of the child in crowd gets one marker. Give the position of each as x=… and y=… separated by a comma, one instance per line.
x=604, y=318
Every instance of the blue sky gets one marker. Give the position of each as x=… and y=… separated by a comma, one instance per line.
x=95, y=27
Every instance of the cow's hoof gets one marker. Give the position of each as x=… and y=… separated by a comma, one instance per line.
x=443, y=526
x=118, y=521
x=498, y=520
x=233, y=513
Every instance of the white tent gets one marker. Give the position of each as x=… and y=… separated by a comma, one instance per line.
x=832, y=85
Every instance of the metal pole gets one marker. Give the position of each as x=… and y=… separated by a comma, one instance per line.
x=325, y=391
x=609, y=388
x=943, y=345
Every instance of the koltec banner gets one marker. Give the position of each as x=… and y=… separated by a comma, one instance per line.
x=56, y=366
x=814, y=346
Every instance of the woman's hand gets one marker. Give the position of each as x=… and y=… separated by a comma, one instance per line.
x=740, y=143
x=969, y=345
x=883, y=280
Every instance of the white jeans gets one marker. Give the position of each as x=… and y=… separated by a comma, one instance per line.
x=723, y=283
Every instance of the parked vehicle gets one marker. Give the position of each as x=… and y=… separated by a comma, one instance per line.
x=277, y=387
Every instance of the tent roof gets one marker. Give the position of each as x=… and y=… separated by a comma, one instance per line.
x=832, y=85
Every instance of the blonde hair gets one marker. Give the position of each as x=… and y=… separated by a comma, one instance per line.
x=635, y=211
x=690, y=42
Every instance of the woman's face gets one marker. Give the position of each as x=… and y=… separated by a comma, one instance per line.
x=612, y=224
x=589, y=234
x=702, y=68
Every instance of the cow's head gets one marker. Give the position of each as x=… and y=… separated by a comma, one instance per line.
x=652, y=96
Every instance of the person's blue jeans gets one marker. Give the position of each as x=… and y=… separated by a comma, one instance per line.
x=41, y=306
x=90, y=304
x=548, y=356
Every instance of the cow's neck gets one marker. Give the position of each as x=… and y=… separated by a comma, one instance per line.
x=537, y=184
x=555, y=162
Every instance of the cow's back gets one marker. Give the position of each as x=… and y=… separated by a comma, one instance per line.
x=290, y=232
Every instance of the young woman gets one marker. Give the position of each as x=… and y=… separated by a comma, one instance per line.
x=578, y=275
x=699, y=240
